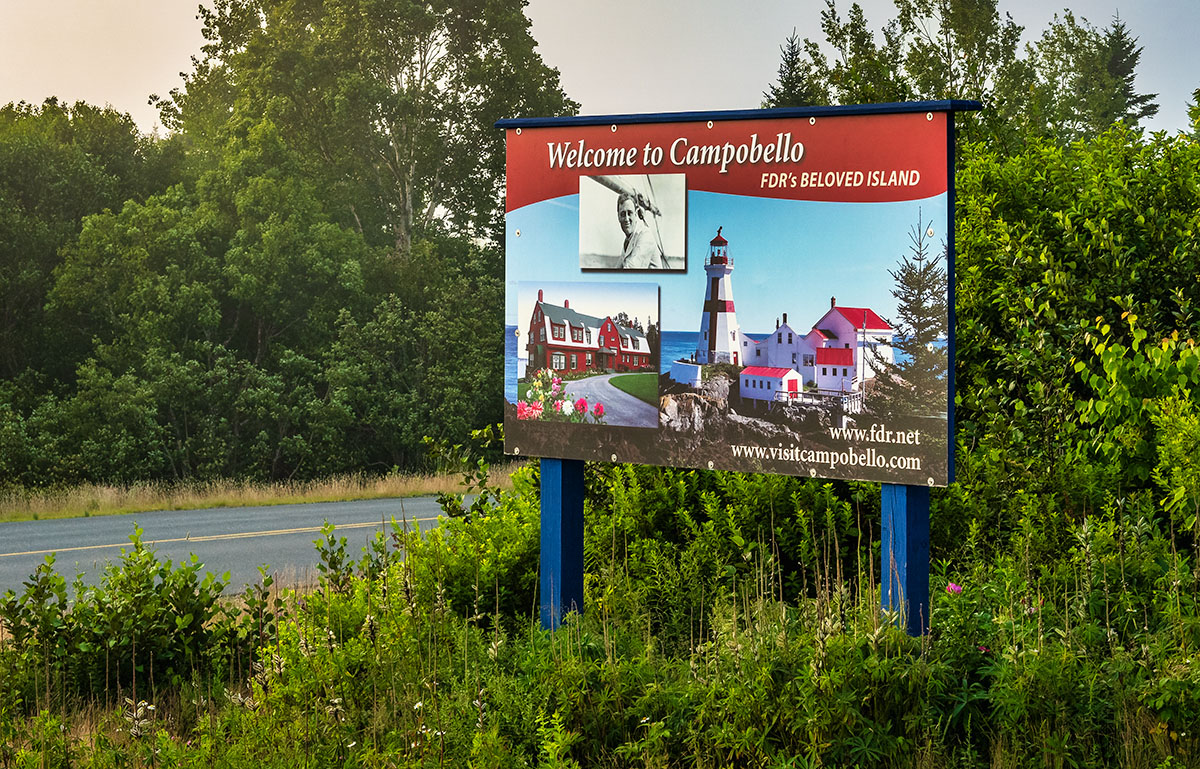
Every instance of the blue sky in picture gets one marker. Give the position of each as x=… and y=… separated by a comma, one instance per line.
x=789, y=256
x=637, y=300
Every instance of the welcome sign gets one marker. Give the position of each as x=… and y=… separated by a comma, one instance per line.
x=766, y=291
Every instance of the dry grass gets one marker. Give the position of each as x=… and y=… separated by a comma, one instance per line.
x=95, y=499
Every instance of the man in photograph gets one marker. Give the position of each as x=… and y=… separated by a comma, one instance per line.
x=641, y=251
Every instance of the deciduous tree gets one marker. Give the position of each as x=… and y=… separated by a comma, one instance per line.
x=1083, y=81
x=390, y=102
x=57, y=165
x=860, y=71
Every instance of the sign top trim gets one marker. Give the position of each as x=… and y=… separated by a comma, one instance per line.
x=946, y=105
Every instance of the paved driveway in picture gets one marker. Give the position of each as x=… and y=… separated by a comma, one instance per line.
x=620, y=408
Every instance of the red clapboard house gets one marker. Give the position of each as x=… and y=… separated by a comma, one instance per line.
x=562, y=339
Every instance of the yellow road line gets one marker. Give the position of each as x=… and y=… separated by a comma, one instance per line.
x=210, y=537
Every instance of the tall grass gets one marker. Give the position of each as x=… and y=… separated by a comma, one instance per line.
x=17, y=504
x=731, y=621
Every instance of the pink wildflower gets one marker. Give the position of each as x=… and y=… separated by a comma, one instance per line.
x=953, y=588
x=581, y=405
x=598, y=410
x=535, y=410
x=522, y=410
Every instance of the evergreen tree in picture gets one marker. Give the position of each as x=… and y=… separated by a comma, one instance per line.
x=1193, y=111
x=653, y=338
x=1121, y=54
x=915, y=384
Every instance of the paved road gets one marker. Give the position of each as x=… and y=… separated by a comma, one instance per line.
x=233, y=539
x=620, y=408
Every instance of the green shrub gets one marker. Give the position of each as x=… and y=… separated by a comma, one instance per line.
x=146, y=624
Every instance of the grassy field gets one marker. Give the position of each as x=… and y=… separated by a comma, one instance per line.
x=98, y=499
x=641, y=386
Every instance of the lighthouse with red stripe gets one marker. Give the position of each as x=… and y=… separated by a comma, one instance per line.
x=719, y=333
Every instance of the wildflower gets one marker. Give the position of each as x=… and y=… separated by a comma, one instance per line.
x=953, y=588
x=581, y=405
x=524, y=410
x=598, y=410
x=984, y=649
x=568, y=408
x=535, y=410
x=420, y=704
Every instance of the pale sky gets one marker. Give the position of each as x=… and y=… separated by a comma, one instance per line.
x=614, y=57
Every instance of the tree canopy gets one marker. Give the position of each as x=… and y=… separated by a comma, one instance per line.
x=391, y=103
x=1074, y=82
x=302, y=278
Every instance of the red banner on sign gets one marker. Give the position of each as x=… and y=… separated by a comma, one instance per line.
x=860, y=159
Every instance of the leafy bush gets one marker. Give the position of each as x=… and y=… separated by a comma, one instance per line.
x=681, y=538
x=703, y=645
x=1072, y=264
x=147, y=625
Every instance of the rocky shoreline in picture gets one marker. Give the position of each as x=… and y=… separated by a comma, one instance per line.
x=702, y=427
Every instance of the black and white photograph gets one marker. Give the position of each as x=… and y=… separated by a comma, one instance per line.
x=633, y=222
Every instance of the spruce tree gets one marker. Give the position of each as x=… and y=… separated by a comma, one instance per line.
x=1073, y=83
x=1193, y=112
x=798, y=86
x=1121, y=56
x=916, y=384
x=654, y=339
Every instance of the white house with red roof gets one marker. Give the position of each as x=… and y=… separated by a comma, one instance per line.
x=834, y=370
x=767, y=383
x=841, y=351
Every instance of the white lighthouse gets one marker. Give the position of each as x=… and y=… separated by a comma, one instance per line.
x=718, y=340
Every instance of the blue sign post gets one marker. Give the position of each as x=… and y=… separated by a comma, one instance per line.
x=904, y=550
x=562, y=540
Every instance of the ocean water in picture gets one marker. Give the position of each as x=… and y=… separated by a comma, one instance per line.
x=676, y=345
x=681, y=345
x=514, y=361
